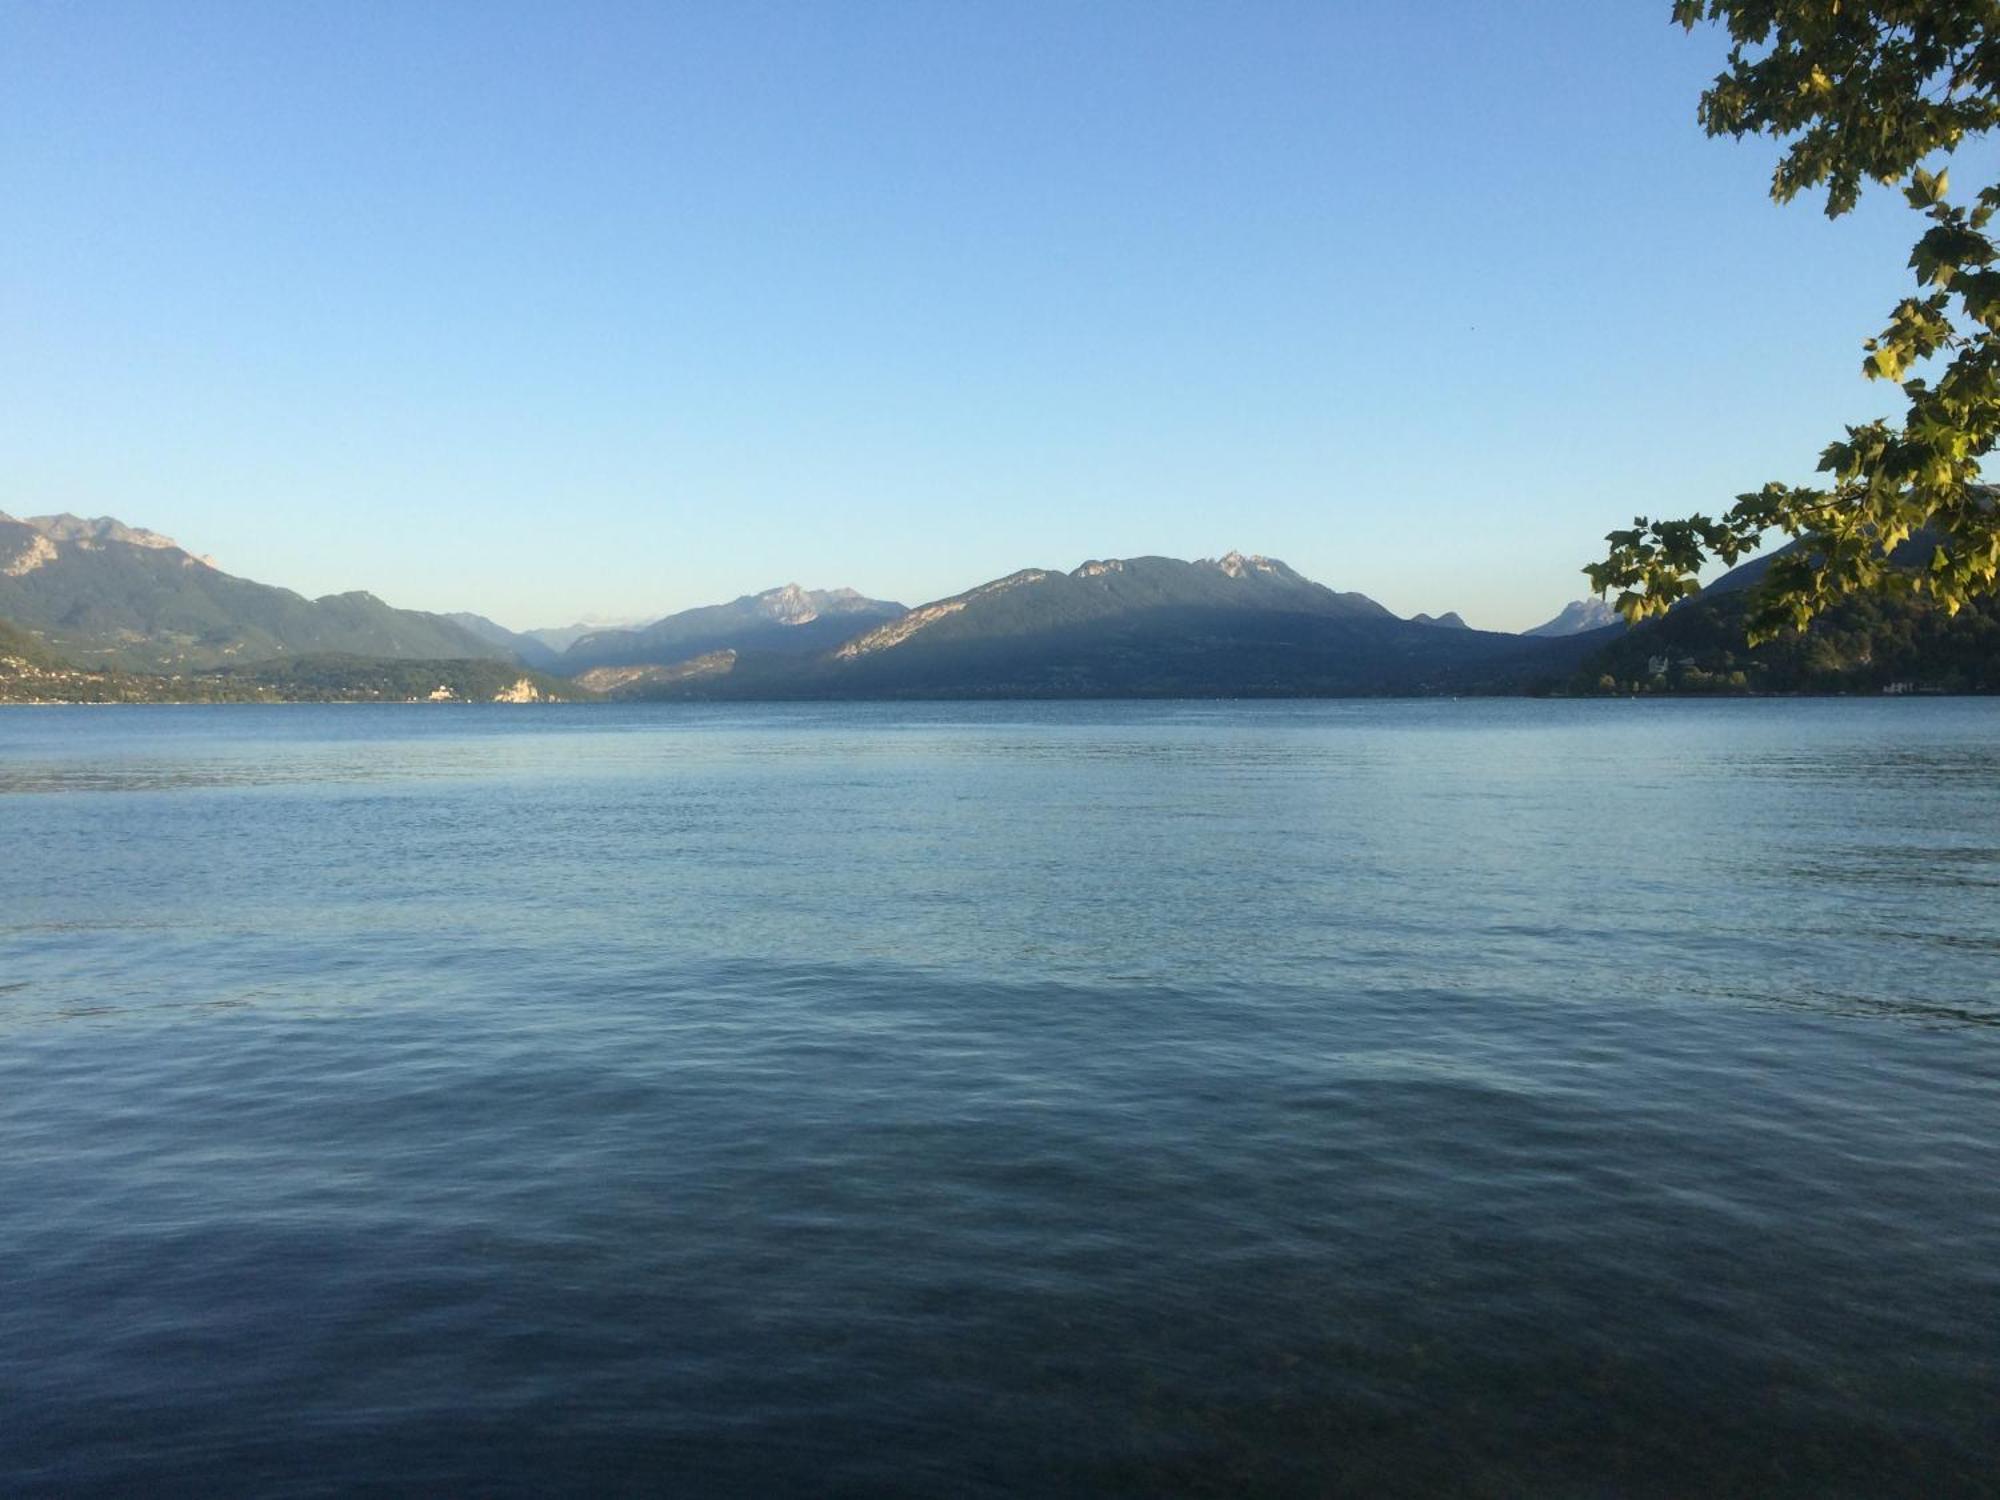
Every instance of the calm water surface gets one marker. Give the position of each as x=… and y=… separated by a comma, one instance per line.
x=1490, y=1098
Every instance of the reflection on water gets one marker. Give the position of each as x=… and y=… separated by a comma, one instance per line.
x=1365, y=1098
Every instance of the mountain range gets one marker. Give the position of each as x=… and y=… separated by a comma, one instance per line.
x=787, y=621
x=103, y=594
x=542, y=646
x=96, y=608
x=1239, y=625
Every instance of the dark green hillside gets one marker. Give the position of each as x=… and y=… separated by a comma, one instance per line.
x=105, y=601
x=31, y=673
x=1866, y=643
x=18, y=646
x=1861, y=645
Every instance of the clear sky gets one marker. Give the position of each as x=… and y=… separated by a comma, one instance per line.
x=563, y=309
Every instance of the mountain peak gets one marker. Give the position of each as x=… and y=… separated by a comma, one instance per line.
x=789, y=605
x=90, y=533
x=1248, y=564
x=787, y=619
x=95, y=531
x=1578, y=616
x=794, y=604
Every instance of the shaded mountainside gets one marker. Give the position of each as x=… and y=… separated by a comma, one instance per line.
x=1237, y=626
x=1865, y=644
x=636, y=682
x=559, y=638
x=784, y=621
x=1036, y=601
x=526, y=648
x=106, y=595
x=1578, y=616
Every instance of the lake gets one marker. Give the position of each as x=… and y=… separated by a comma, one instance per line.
x=1566, y=1098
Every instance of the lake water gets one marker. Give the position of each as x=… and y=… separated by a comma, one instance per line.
x=1391, y=1098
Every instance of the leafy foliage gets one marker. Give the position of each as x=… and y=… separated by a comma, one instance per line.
x=1863, y=90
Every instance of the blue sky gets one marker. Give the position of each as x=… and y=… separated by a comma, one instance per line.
x=551, y=310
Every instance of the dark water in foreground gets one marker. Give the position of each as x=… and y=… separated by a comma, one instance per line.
x=1494, y=1098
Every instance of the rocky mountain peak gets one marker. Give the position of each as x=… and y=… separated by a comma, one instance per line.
x=789, y=605
x=89, y=534
x=1247, y=565
x=95, y=531
x=794, y=604
x=1578, y=616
